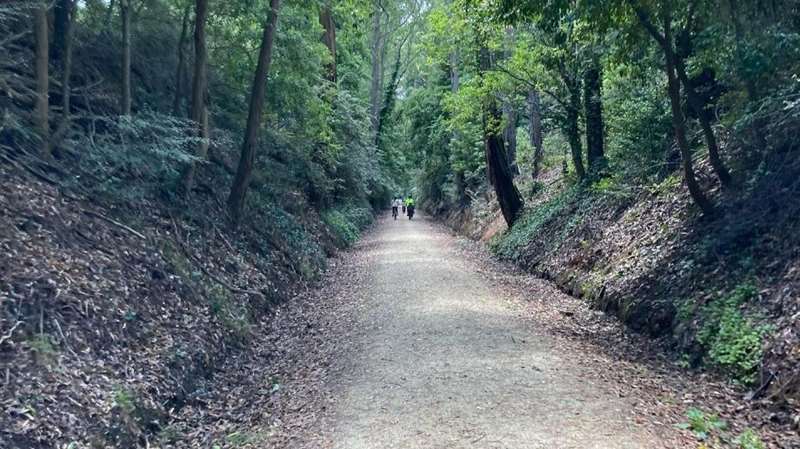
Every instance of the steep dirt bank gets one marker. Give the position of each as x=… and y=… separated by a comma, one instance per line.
x=111, y=321
x=720, y=292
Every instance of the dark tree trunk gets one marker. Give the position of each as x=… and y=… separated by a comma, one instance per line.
x=376, y=79
x=66, y=74
x=750, y=84
x=110, y=13
x=593, y=110
x=125, y=17
x=535, y=131
x=510, y=135
x=389, y=98
x=42, y=110
x=180, y=69
x=198, y=113
x=666, y=42
x=573, y=130
x=329, y=39
x=62, y=12
x=498, y=169
x=705, y=123
x=460, y=181
x=244, y=172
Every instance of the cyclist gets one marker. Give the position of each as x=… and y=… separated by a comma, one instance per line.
x=396, y=203
x=409, y=203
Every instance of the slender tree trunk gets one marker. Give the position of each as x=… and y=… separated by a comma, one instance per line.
x=593, y=105
x=497, y=166
x=510, y=110
x=389, y=97
x=110, y=13
x=199, y=113
x=58, y=136
x=460, y=181
x=180, y=69
x=705, y=123
x=125, y=16
x=666, y=42
x=510, y=135
x=376, y=80
x=41, y=113
x=573, y=125
x=329, y=38
x=535, y=130
x=244, y=171
x=678, y=118
x=750, y=85
x=62, y=10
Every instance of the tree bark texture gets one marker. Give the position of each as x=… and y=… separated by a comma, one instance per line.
x=125, y=17
x=593, y=110
x=497, y=166
x=180, y=69
x=41, y=63
x=329, y=39
x=535, y=130
x=199, y=110
x=244, y=171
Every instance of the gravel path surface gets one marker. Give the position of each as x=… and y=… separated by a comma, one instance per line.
x=440, y=356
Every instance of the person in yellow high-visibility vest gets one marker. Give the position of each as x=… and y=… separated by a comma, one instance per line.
x=409, y=202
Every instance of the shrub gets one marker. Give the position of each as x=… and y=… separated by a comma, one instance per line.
x=347, y=222
x=510, y=244
x=702, y=424
x=749, y=439
x=134, y=156
x=732, y=340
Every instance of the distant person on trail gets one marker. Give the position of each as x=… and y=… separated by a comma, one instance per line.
x=396, y=204
x=409, y=203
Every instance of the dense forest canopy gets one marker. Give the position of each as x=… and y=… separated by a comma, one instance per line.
x=367, y=98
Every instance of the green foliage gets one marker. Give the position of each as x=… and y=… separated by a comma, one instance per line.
x=703, y=425
x=512, y=243
x=638, y=121
x=125, y=400
x=135, y=156
x=733, y=340
x=749, y=439
x=43, y=349
x=347, y=222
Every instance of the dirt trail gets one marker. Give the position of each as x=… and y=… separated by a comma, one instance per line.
x=442, y=358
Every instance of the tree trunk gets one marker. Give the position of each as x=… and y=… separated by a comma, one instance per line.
x=42, y=110
x=62, y=11
x=462, y=199
x=705, y=123
x=593, y=110
x=666, y=42
x=69, y=10
x=535, y=130
x=750, y=85
x=244, y=172
x=678, y=119
x=389, y=97
x=509, y=109
x=110, y=14
x=329, y=38
x=573, y=126
x=497, y=167
x=376, y=80
x=180, y=70
x=199, y=112
x=125, y=16
x=510, y=135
